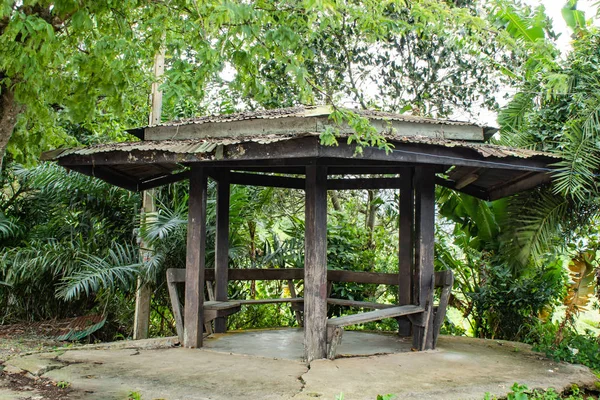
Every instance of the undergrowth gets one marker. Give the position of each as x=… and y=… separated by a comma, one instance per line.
x=522, y=392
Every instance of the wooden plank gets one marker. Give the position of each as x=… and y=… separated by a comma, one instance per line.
x=282, y=274
x=315, y=269
x=471, y=190
x=297, y=309
x=176, y=307
x=424, y=248
x=359, y=304
x=406, y=246
x=211, y=315
x=196, y=241
x=266, y=180
x=163, y=180
x=107, y=175
x=440, y=313
x=526, y=182
x=220, y=305
x=363, y=183
x=143, y=295
x=222, y=245
x=376, y=315
x=334, y=339
x=293, y=300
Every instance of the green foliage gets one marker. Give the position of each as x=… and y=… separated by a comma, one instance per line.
x=522, y=392
x=66, y=226
x=574, y=347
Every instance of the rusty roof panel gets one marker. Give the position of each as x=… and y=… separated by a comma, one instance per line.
x=307, y=111
x=208, y=145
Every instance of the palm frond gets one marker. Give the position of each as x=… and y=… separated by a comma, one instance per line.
x=536, y=224
x=575, y=173
x=117, y=270
x=512, y=118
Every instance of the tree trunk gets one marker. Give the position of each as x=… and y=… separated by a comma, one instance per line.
x=9, y=111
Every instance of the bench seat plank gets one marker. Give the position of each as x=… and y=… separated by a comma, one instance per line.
x=361, y=304
x=269, y=301
x=220, y=305
x=377, y=315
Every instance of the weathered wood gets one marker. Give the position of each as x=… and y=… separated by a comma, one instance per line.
x=471, y=190
x=301, y=124
x=334, y=339
x=176, y=308
x=266, y=180
x=440, y=314
x=293, y=300
x=363, y=183
x=220, y=309
x=376, y=315
x=520, y=184
x=220, y=305
x=196, y=241
x=406, y=246
x=315, y=269
x=107, y=175
x=163, y=180
x=143, y=294
x=303, y=151
x=359, y=304
x=424, y=184
x=297, y=309
x=222, y=245
x=283, y=274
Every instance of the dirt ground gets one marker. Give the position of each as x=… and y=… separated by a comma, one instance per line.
x=462, y=368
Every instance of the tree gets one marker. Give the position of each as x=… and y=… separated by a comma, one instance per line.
x=85, y=66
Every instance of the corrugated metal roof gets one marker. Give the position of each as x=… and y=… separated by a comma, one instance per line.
x=208, y=145
x=307, y=111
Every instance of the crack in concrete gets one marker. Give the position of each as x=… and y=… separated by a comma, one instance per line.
x=302, y=381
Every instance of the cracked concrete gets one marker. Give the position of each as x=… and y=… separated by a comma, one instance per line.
x=462, y=368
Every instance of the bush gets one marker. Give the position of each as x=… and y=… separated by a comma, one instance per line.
x=574, y=347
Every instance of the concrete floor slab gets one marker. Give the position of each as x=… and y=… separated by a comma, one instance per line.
x=289, y=343
x=462, y=368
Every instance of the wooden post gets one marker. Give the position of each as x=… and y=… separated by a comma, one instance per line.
x=195, y=253
x=406, y=247
x=315, y=264
x=424, y=184
x=143, y=294
x=222, y=246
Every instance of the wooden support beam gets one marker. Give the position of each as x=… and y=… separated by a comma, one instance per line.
x=315, y=269
x=222, y=245
x=471, y=190
x=466, y=180
x=266, y=180
x=520, y=184
x=143, y=294
x=284, y=274
x=196, y=242
x=163, y=180
x=406, y=245
x=363, y=183
x=107, y=175
x=424, y=184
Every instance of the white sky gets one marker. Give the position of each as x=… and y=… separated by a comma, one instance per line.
x=553, y=8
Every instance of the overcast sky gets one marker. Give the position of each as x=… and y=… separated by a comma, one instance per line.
x=553, y=8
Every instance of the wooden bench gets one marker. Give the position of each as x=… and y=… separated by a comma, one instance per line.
x=335, y=326
x=443, y=280
x=335, y=331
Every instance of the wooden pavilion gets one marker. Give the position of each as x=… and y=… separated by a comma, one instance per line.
x=281, y=148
